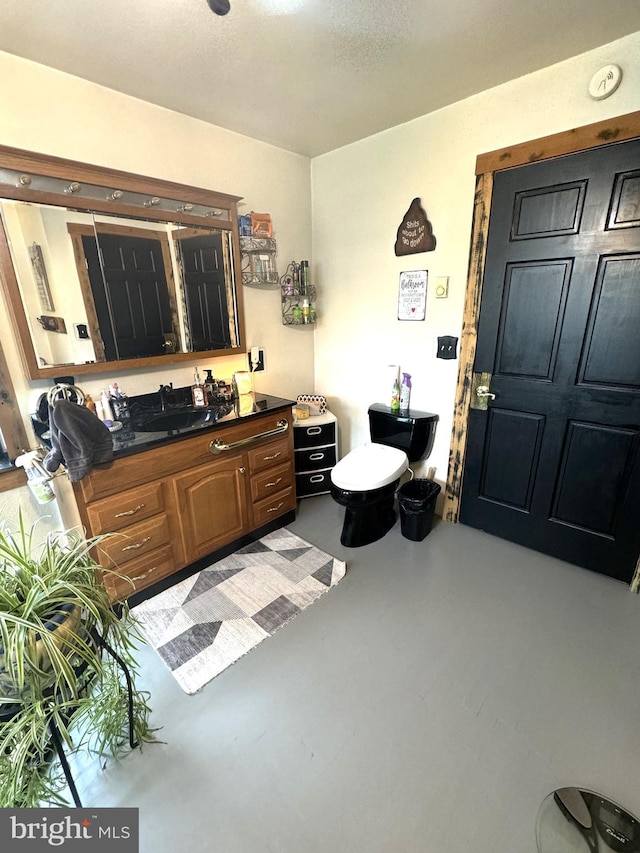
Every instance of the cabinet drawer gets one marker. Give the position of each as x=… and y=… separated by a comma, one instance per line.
x=313, y=483
x=316, y=458
x=264, y=511
x=121, y=510
x=134, y=541
x=268, y=455
x=141, y=573
x=269, y=482
x=314, y=435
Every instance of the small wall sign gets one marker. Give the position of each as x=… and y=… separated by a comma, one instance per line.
x=412, y=295
x=415, y=233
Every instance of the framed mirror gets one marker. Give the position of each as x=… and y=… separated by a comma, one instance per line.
x=106, y=270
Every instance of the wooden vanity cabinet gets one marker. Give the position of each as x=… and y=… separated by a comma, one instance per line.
x=172, y=505
x=212, y=505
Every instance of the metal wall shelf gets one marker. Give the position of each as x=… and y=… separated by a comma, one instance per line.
x=258, y=260
x=293, y=294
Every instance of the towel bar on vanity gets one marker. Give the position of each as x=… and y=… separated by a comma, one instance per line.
x=218, y=446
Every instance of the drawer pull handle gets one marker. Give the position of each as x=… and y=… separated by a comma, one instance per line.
x=273, y=456
x=317, y=478
x=316, y=457
x=146, y=574
x=137, y=544
x=276, y=508
x=314, y=430
x=218, y=446
x=270, y=485
x=129, y=511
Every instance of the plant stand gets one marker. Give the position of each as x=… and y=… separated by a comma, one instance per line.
x=56, y=739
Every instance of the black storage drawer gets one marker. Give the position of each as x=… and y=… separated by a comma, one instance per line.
x=313, y=483
x=314, y=435
x=315, y=458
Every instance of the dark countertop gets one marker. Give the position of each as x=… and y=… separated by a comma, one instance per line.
x=129, y=443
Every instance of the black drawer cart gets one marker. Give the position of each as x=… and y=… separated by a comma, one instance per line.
x=315, y=441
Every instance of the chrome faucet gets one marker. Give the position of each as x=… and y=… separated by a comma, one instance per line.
x=166, y=396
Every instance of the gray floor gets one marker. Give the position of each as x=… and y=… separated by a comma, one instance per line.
x=427, y=703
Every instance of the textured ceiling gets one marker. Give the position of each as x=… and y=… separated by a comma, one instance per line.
x=308, y=75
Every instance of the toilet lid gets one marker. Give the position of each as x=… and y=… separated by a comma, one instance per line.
x=369, y=467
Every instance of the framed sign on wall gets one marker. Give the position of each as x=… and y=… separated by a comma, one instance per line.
x=412, y=295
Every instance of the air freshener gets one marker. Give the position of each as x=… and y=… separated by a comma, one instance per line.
x=405, y=392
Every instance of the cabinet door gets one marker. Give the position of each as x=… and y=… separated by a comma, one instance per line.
x=212, y=504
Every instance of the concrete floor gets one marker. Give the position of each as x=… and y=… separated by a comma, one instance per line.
x=429, y=703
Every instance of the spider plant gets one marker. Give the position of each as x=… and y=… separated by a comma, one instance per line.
x=54, y=670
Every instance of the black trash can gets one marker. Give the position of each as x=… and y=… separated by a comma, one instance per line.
x=417, y=500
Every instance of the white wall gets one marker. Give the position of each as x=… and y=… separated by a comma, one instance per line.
x=360, y=195
x=47, y=111
x=356, y=199
x=50, y=112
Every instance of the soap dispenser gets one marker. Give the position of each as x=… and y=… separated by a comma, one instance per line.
x=198, y=393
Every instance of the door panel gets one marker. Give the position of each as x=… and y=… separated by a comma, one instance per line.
x=593, y=456
x=554, y=462
x=536, y=290
x=511, y=457
x=548, y=211
x=612, y=355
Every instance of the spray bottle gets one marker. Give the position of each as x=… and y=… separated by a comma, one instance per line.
x=405, y=392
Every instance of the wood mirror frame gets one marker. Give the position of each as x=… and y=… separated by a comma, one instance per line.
x=31, y=177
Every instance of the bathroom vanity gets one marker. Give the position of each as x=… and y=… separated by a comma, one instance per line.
x=175, y=497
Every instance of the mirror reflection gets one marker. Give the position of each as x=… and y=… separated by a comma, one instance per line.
x=99, y=288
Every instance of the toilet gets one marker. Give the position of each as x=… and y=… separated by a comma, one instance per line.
x=365, y=480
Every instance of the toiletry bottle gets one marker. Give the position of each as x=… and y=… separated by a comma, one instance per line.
x=395, y=396
x=209, y=386
x=304, y=278
x=107, y=411
x=198, y=394
x=120, y=405
x=405, y=392
x=306, y=310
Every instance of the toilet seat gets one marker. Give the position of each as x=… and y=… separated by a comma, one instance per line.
x=369, y=467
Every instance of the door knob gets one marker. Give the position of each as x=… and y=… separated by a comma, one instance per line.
x=483, y=391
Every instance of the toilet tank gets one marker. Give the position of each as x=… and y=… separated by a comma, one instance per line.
x=412, y=431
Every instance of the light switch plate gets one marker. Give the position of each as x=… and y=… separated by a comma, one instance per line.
x=442, y=287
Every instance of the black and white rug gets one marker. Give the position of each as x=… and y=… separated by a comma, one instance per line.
x=205, y=623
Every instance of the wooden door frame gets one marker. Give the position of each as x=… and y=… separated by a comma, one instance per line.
x=620, y=129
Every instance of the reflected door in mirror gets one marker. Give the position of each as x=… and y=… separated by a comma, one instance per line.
x=132, y=302
x=205, y=289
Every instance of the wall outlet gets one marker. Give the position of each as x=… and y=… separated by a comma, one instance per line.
x=256, y=354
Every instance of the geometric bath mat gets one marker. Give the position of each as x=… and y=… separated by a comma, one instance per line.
x=205, y=623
